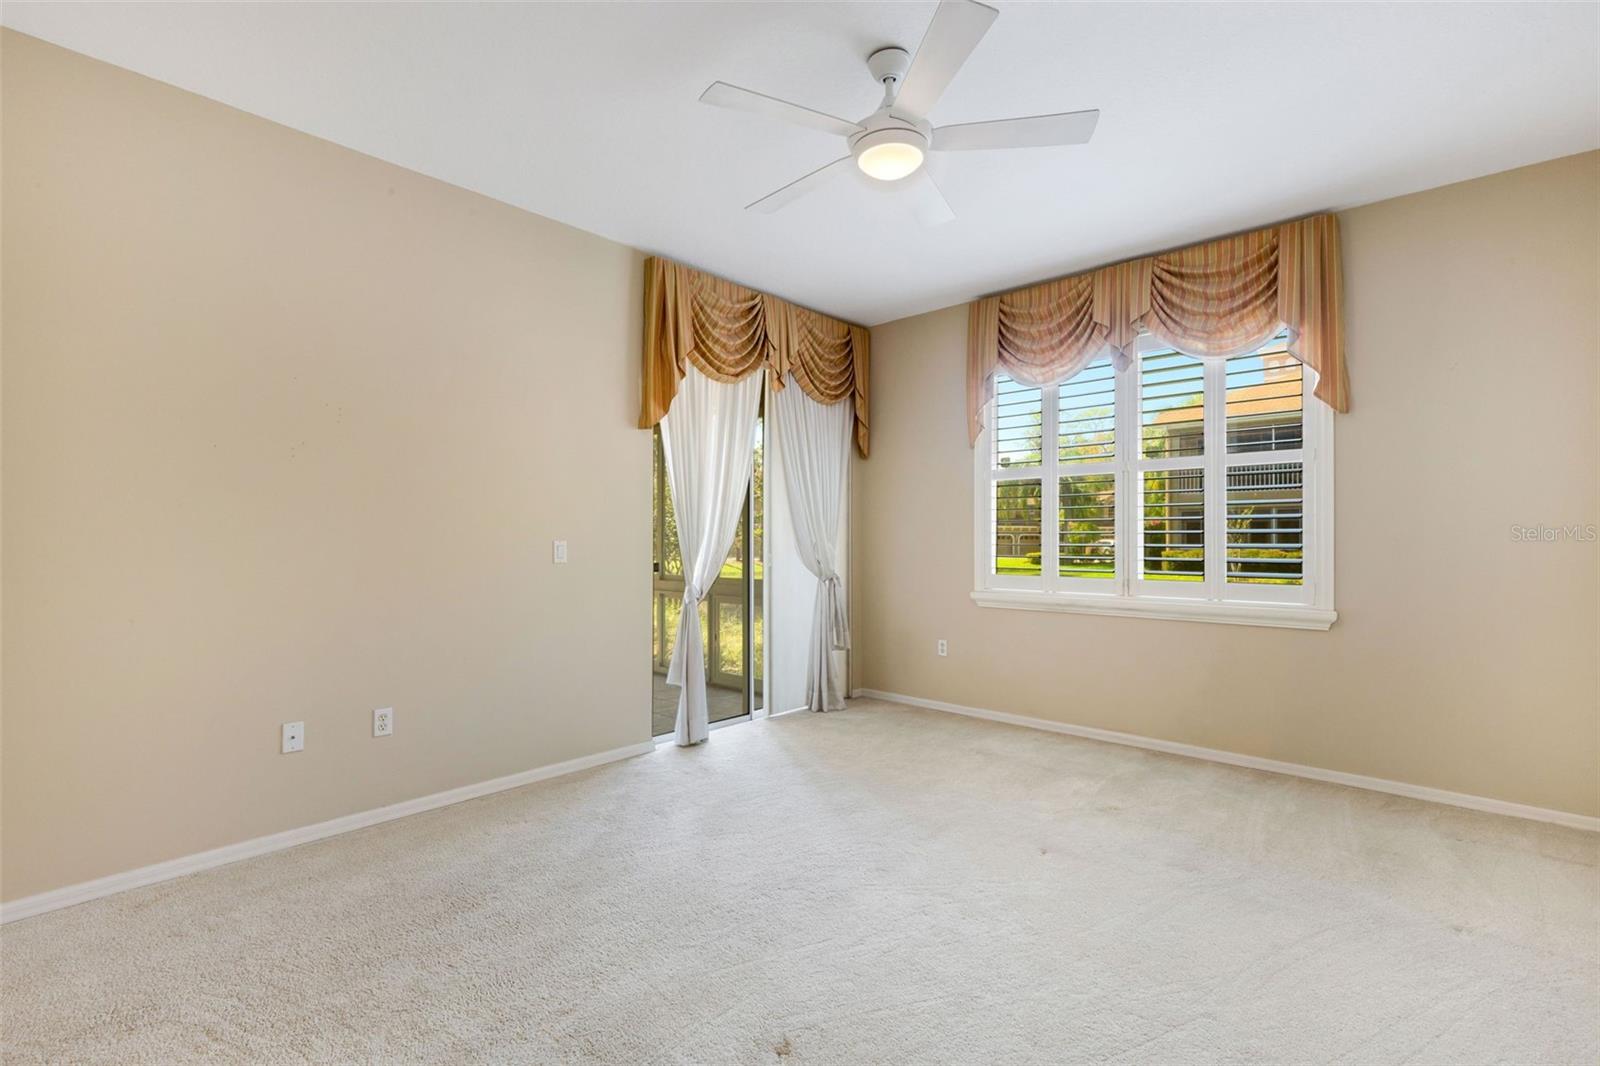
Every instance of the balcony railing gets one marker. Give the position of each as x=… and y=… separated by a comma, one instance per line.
x=725, y=642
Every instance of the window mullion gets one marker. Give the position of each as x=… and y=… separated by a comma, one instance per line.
x=1315, y=492
x=1216, y=476
x=1049, y=490
x=1126, y=428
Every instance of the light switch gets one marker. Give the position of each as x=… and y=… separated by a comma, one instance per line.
x=561, y=551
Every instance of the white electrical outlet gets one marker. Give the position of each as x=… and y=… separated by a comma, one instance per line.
x=383, y=722
x=944, y=647
x=294, y=737
x=561, y=551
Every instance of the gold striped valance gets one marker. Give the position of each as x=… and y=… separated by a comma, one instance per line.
x=1220, y=298
x=729, y=331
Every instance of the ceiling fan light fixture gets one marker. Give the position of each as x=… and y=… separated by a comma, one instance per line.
x=890, y=154
x=891, y=161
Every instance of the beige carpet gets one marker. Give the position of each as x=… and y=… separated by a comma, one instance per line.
x=880, y=885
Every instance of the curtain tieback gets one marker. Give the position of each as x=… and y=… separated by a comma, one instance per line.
x=838, y=618
x=688, y=632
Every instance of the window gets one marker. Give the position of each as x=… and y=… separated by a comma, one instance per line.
x=1172, y=487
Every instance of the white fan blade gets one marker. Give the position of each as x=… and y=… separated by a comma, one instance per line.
x=721, y=94
x=927, y=202
x=955, y=31
x=797, y=188
x=1038, y=131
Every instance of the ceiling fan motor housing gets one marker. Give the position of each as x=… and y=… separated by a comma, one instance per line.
x=885, y=128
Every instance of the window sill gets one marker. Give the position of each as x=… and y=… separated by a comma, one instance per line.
x=1281, y=616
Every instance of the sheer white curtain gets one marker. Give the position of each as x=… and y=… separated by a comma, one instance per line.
x=708, y=437
x=814, y=446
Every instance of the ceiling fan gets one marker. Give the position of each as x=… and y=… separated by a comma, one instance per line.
x=890, y=143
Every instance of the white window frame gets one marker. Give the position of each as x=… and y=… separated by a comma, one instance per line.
x=1213, y=599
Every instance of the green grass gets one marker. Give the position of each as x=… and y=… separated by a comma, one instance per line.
x=1027, y=567
x=1022, y=567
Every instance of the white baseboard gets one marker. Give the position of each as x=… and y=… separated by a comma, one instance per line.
x=28, y=906
x=1253, y=762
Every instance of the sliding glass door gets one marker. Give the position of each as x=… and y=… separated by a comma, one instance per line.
x=730, y=617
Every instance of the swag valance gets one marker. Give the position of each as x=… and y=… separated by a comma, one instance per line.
x=1217, y=299
x=728, y=331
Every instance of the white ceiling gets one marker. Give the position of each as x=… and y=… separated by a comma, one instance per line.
x=1214, y=117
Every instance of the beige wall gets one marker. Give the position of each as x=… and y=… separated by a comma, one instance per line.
x=288, y=432
x=1461, y=660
